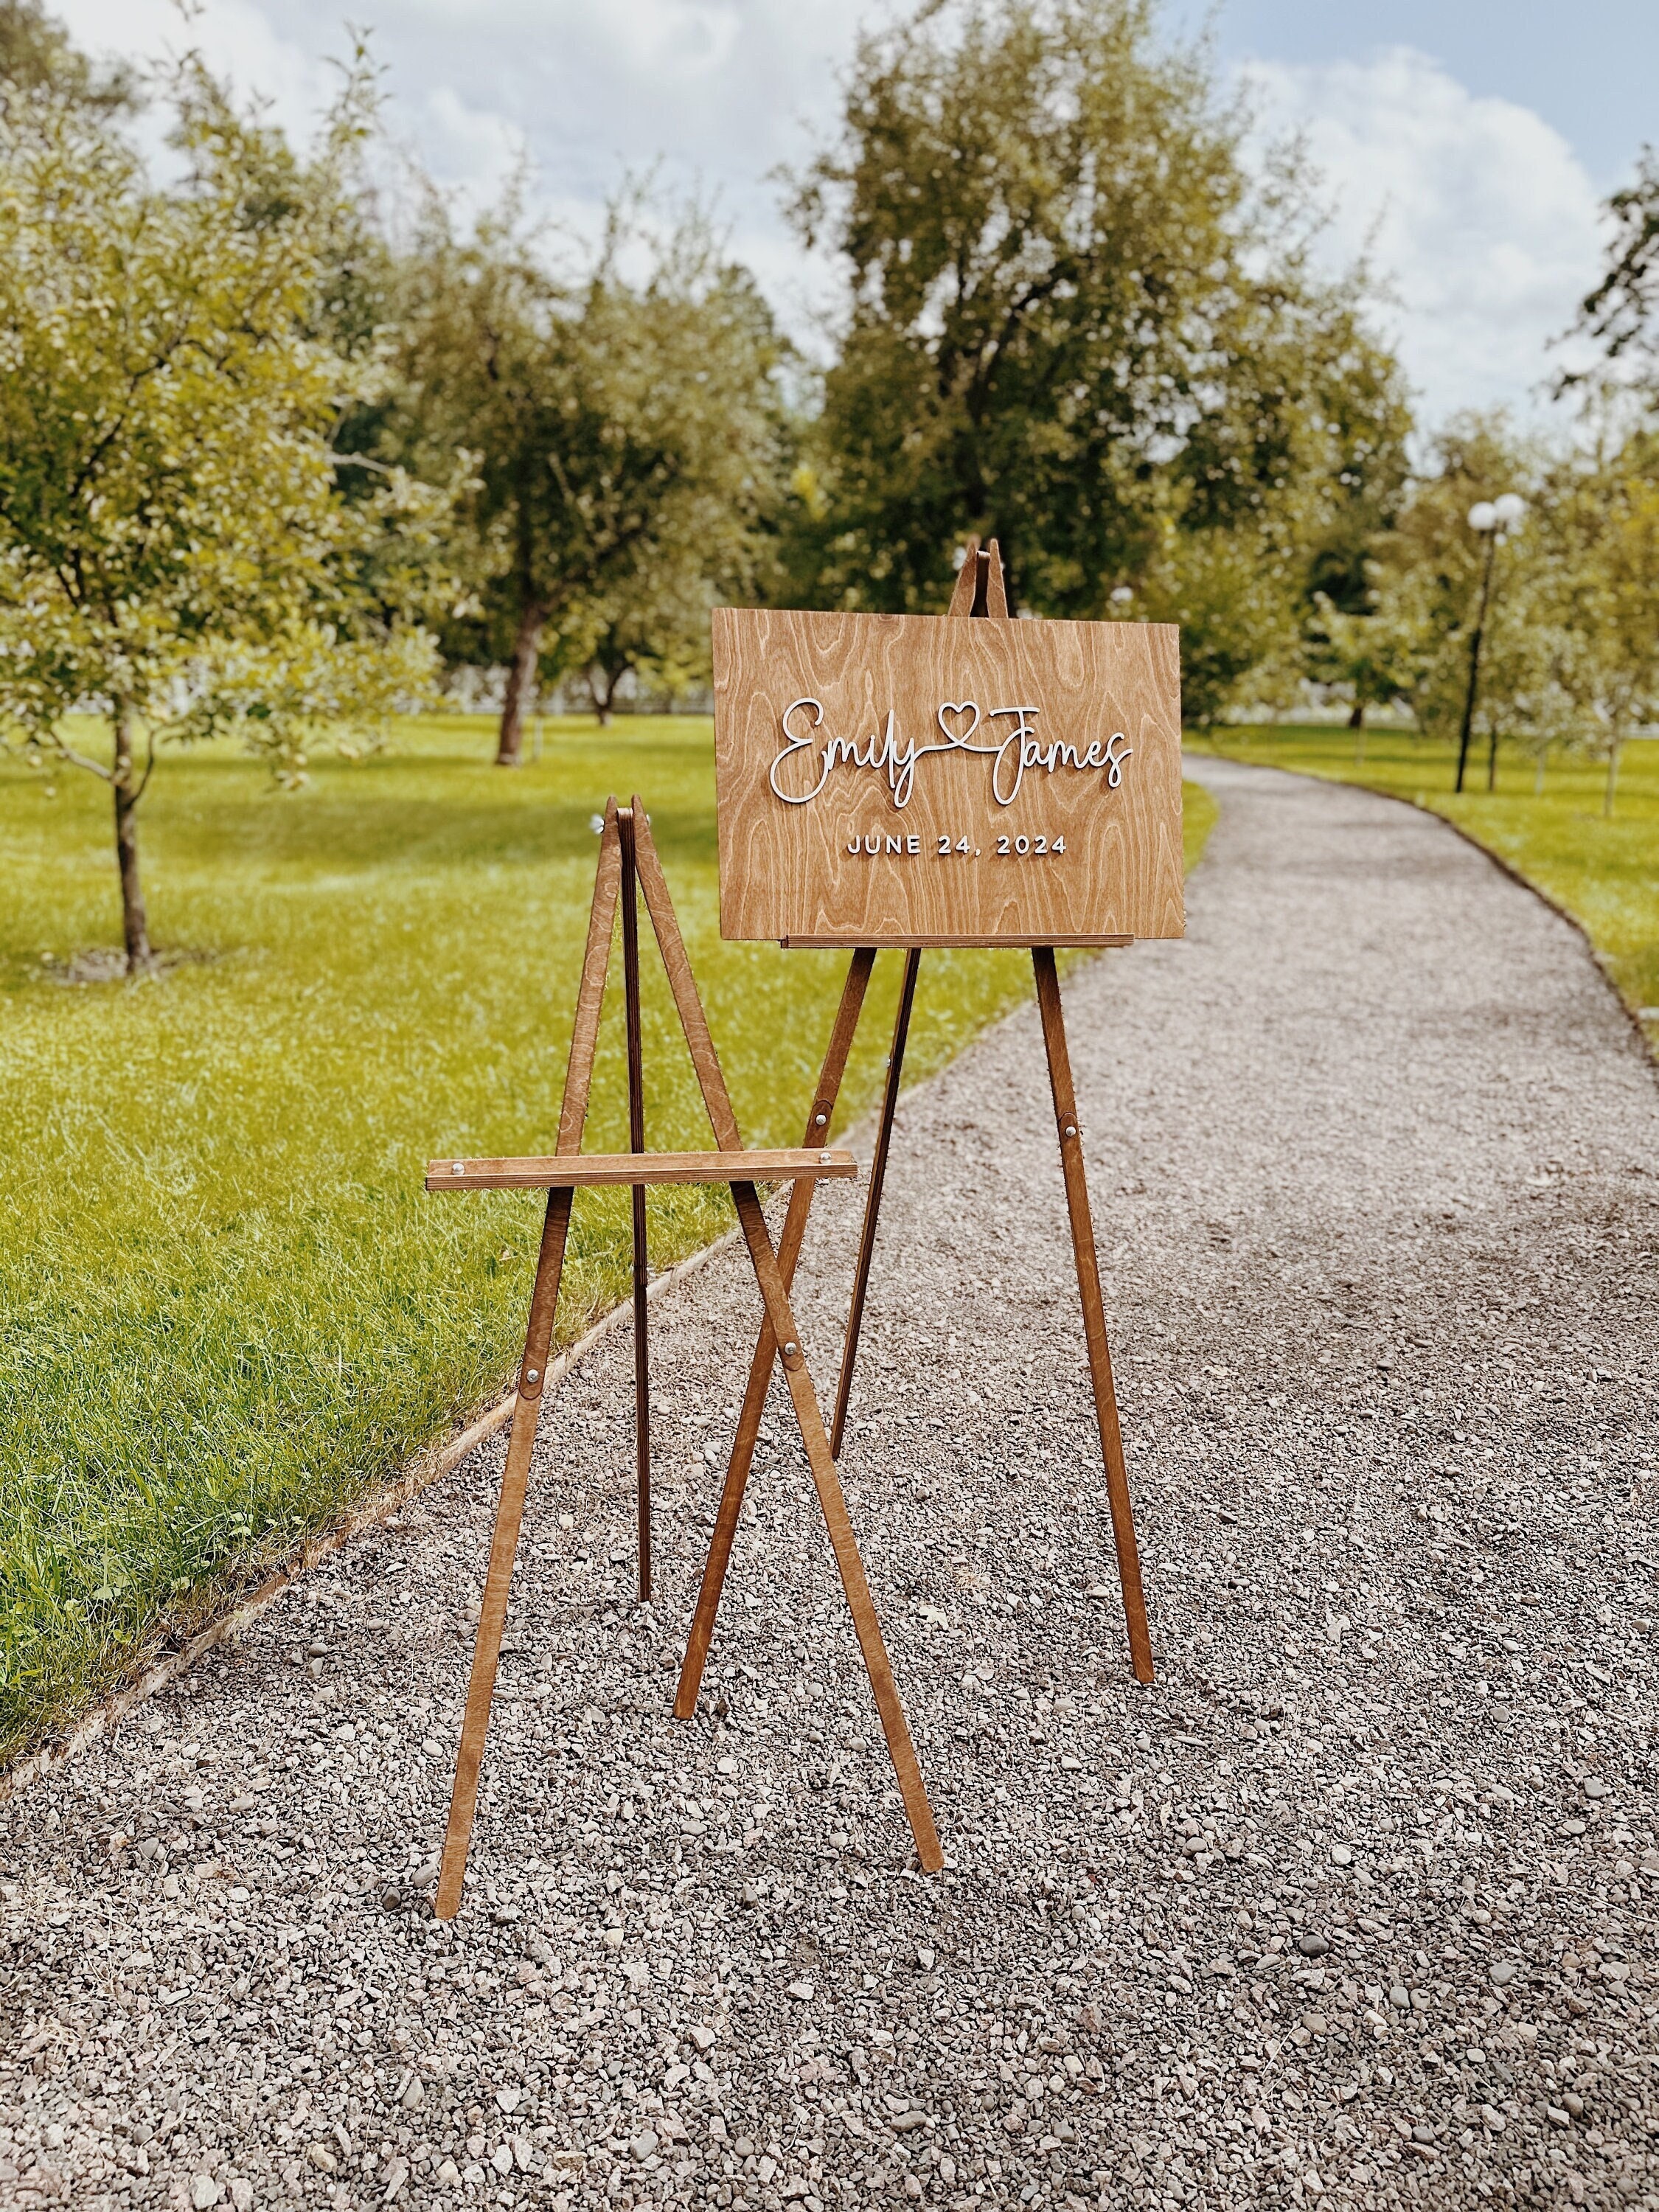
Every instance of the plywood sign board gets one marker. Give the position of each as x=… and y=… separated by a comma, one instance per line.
x=918, y=780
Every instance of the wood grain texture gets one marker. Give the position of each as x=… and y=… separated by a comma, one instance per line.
x=532, y=1375
x=819, y=1119
x=1094, y=1311
x=872, y=1190
x=786, y=870
x=590, y=1170
x=630, y=937
x=590, y=991
x=705, y=1061
x=832, y=1501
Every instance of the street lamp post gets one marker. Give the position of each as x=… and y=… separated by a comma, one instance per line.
x=1490, y=518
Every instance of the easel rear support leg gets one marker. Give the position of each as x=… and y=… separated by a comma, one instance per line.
x=849, y=1351
x=760, y=1368
x=509, y=1512
x=630, y=936
x=1094, y=1312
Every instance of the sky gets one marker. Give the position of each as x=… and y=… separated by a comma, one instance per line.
x=1465, y=147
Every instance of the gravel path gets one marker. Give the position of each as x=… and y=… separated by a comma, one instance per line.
x=1356, y=1904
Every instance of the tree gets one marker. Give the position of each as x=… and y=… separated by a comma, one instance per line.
x=37, y=54
x=1073, y=320
x=623, y=428
x=174, y=546
x=1379, y=655
x=1605, y=587
x=657, y=628
x=1622, y=312
x=1411, y=637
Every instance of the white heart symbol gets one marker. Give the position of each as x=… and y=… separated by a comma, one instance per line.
x=966, y=706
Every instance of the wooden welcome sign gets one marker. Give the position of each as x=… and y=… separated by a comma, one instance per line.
x=914, y=782
x=910, y=780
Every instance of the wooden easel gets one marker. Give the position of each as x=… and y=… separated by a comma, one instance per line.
x=627, y=858
x=980, y=591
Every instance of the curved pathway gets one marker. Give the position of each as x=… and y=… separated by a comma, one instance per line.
x=1357, y=1904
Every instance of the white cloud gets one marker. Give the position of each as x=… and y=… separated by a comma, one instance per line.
x=1479, y=213
x=1476, y=211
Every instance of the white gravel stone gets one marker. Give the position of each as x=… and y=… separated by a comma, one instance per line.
x=1374, y=1161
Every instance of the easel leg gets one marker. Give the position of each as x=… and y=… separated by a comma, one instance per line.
x=1094, y=1312
x=630, y=931
x=492, y=1619
x=825, y=1480
x=760, y=1368
x=849, y=1351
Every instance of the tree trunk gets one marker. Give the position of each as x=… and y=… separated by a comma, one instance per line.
x=1613, y=780
x=602, y=684
x=1356, y=715
x=1491, y=761
x=135, y=923
x=520, y=684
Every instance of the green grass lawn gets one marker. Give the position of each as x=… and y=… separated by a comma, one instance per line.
x=225, y=1306
x=1605, y=873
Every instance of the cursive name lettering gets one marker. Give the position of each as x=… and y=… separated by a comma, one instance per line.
x=959, y=723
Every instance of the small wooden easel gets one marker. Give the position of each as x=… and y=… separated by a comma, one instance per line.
x=627, y=855
x=979, y=592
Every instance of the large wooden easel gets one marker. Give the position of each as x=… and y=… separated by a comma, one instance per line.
x=980, y=591
x=627, y=858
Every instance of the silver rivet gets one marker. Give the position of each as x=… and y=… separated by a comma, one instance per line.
x=532, y=1373
x=792, y=1347
x=1070, y=1130
x=818, y=1121
x=459, y=1167
x=827, y=1158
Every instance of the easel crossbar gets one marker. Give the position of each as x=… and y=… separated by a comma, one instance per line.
x=588, y=1171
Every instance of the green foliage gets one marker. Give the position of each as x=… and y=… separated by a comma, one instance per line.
x=629, y=434
x=226, y=1304
x=1600, y=595
x=1075, y=322
x=1622, y=312
x=173, y=540
x=37, y=54
x=1570, y=652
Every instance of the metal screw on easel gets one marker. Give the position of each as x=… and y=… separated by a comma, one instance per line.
x=532, y=1375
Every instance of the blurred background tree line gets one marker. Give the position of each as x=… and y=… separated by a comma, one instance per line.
x=284, y=440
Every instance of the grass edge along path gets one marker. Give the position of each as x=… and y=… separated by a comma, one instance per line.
x=228, y=1318
x=1600, y=875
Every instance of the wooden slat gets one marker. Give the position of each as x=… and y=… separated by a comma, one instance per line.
x=832, y=1501
x=967, y=584
x=808, y=1419
x=995, y=587
x=872, y=1191
x=681, y=981
x=590, y=991
x=1094, y=1311
x=533, y=1371
x=590, y=1170
x=818, y=1121
x=883, y=942
x=630, y=937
